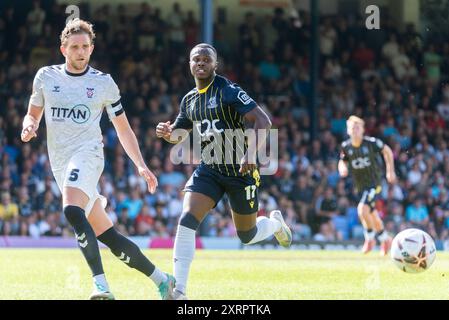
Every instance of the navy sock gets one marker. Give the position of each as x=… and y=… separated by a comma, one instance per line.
x=127, y=251
x=85, y=236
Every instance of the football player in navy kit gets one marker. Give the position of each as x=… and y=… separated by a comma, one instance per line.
x=360, y=155
x=215, y=107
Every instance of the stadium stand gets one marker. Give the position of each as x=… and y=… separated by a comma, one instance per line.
x=396, y=81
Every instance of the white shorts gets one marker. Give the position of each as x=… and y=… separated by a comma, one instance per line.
x=82, y=171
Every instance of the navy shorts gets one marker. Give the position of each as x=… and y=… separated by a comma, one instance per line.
x=369, y=196
x=241, y=191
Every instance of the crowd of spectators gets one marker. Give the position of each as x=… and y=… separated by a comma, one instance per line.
x=393, y=78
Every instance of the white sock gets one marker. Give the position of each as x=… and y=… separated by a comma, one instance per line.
x=383, y=236
x=183, y=253
x=265, y=227
x=158, y=276
x=101, y=280
x=369, y=235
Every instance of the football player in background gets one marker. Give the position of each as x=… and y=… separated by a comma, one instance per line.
x=360, y=156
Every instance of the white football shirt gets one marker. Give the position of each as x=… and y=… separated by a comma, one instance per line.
x=73, y=106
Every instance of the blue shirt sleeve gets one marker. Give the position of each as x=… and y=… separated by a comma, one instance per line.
x=238, y=99
x=182, y=120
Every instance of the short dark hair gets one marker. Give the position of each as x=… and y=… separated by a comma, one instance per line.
x=205, y=46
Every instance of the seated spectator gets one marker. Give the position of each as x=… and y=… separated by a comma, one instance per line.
x=432, y=64
x=402, y=65
x=363, y=56
x=53, y=226
x=338, y=124
x=268, y=68
x=326, y=233
x=170, y=176
x=391, y=48
x=302, y=196
x=443, y=106
x=390, y=128
x=125, y=224
x=414, y=175
x=341, y=221
x=326, y=209
x=9, y=215
x=133, y=204
x=144, y=221
x=328, y=206
x=25, y=204
x=417, y=213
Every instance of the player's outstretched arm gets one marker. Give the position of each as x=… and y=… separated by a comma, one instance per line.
x=129, y=142
x=31, y=122
x=389, y=162
x=342, y=169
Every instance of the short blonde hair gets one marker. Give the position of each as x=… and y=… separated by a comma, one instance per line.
x=77, y=26
x=355, y=119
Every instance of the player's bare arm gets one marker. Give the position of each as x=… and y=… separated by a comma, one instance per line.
x=129, y=142
x=261, y=121
x=31, y=122
x=389, y=162
x=343, y=168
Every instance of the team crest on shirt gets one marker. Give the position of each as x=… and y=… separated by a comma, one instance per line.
x=350, y=152
x=90, y=92
x=365, y=150
x=212, y=103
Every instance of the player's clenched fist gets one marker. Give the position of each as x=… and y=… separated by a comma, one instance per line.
x=29, y=128
x=163, y=130
x=149, y=177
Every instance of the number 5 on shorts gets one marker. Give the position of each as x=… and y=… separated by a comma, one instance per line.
x=74, y=174
x=250, y=192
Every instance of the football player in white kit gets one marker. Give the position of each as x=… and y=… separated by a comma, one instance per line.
x=73, y=96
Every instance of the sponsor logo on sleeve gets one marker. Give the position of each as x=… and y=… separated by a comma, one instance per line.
x=244, y=97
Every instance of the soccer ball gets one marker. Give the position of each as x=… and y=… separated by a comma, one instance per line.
x=413, y=251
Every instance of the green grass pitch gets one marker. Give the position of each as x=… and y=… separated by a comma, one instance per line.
x=246, y=274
